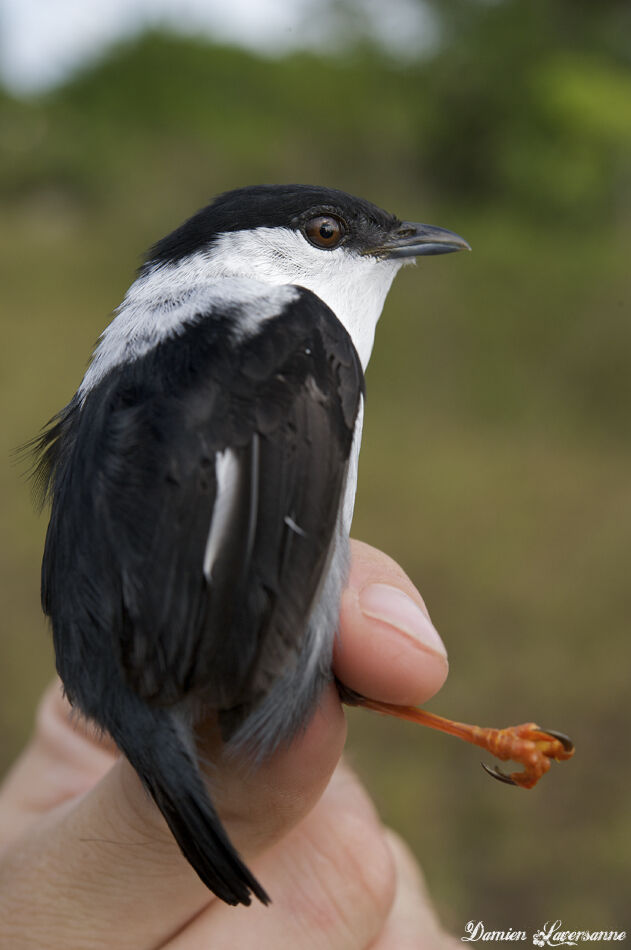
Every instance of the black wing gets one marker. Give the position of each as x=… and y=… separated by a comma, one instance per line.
x=194, y=498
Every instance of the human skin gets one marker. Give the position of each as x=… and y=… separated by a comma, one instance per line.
x=86, y=860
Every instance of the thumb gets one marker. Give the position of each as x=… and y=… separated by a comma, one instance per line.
x=388, y=649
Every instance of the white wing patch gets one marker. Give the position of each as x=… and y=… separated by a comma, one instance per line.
x=228, y=474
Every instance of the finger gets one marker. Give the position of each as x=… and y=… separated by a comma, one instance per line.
x=64, y=759
x=116, y=844
x=332, y=878
x=411, y=923
x=110, y=857
x=388, y=648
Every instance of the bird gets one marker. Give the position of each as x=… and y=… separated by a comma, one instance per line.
x=201, y=484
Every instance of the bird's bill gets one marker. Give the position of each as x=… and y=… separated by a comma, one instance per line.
x=410, y=239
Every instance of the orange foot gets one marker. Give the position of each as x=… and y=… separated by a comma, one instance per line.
x=528, y=744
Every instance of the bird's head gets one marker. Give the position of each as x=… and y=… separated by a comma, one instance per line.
x=344, y=249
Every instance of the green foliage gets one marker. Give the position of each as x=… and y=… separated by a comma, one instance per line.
x=206, y=111
x=527, y=107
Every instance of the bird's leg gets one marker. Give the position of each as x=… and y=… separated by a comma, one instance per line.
x=532, y=747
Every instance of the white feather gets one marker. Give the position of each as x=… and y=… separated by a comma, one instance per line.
x=162, y=302
x=353, y=285
x=252, y=271
x=228, y=474
x=348, y=503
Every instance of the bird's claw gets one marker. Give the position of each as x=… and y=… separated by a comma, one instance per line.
x=565, y=741
x=498, y=774
x=531, y=746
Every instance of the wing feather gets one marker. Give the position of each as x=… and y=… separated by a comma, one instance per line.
x=210, y=474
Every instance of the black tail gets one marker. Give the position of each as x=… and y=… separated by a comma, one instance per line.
x=157, y=747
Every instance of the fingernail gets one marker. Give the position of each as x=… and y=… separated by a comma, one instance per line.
x=390, y=605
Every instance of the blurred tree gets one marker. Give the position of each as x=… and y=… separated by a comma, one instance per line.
x=530, y=102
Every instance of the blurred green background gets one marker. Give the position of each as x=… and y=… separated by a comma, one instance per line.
x=496, y=462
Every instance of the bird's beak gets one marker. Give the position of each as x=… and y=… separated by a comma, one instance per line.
x=410, y=239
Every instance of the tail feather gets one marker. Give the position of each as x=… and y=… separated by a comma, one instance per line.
x=153, y=743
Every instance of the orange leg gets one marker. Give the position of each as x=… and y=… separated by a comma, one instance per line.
x=527, y=744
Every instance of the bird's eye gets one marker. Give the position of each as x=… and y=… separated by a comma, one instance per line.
x=324, y=231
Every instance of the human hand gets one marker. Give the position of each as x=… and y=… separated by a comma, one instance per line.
x=86, y=860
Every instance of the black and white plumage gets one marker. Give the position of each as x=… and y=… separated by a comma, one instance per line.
x=202, y=482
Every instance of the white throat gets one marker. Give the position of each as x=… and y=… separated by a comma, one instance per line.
x=353, y=286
